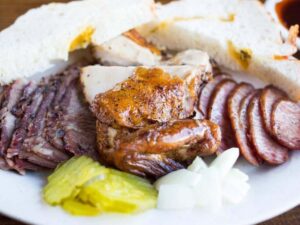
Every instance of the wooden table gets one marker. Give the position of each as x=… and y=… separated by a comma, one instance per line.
x=10, y=9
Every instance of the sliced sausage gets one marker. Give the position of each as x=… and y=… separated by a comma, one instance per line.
x=207, y=92
x=269, y=96
x=238, y=102
x=218, y=113
x=265, y=146
x=286, y=123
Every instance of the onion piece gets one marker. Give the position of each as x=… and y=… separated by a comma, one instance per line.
x=175, y=197
x=198, y=165
x=225, y=161
x=209, y=191
x=238, y=174
x=182, y=176
x=235, y=188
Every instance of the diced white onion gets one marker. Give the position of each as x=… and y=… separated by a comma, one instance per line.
x=235, y=188
x=198, y=165
x=238, y=174
x=204, y=186
x=175, y=197
x=208, y=192
x=225, y=161
x=182, y=176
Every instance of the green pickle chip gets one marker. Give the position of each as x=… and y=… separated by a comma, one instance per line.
x=78, y=208
x=120, y=192
x=85, y=188
x=68, y=177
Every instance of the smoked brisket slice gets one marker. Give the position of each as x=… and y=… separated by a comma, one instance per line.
x=26, y=111
x=35, y=142
x=72, y=126
x=12, y=95
x=43, y=124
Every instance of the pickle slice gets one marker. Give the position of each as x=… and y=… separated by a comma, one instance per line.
x=85, y=188
x=78, y=208
x=119, y=192
x=66, y=180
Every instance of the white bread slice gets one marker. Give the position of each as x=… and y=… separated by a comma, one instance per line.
x=121, y=51
x=238, y=34
x=99, y=79
x=191, y=57
x=46, y=35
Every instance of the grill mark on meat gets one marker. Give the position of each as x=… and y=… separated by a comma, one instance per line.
x=268, y=98
x=12, y=95
x=207, y=92
x=265, y=146
x=237, y=107
x=285, y=123
x=218, y=113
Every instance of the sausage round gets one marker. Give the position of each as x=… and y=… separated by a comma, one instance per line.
x=265, y=146
x=286, y=123
x=237, y=107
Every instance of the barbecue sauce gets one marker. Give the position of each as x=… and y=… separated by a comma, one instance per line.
x=288, y=12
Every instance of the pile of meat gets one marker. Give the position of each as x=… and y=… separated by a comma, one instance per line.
x=44, y=123
x=263, y=123
x=146, y=125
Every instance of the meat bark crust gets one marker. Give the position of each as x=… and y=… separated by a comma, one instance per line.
x=158, y=149
x=149, y=95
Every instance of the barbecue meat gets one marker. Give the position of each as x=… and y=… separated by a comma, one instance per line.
x=148, y=96
x=160, y=148
x=145, y=124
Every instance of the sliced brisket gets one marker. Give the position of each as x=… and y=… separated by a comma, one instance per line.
x=12, y=95
x=73, y=127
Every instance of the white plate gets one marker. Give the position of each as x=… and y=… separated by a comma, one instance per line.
x=274, y=190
